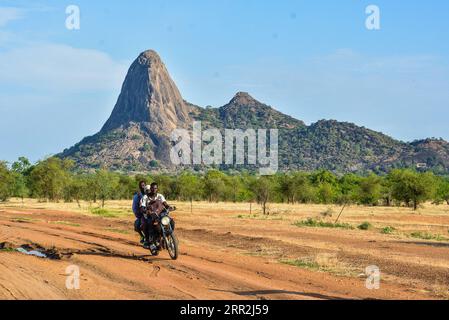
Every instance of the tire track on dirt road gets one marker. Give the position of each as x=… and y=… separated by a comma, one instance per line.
x=114, y=266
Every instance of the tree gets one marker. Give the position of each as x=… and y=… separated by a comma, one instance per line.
x=287, y=187
x=75, y=189
x=49, y=178
x=167, y=185
x=22, y=166
x=305, y=192
x=325, y=182
x=235, y=188
x=19, y=185
x=349, y=188
x=370, y=190
x=126, y=187
x=442, y=190
x=92, y=189
x=386, y=190
x=263, y=188
x=107, y=183
x=214, y=186
x=412, y=187
x=6, y=181
x=325, y=193
x=323, y=176
x=20, y=170
x=189, y=187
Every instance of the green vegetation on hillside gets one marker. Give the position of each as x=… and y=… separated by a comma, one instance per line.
x=340, y=147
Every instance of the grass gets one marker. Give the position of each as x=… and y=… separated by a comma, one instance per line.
x=322, y=262
x=310, y=222
x=258, y=217
x=387, y=230
x=427, y=236
x=302, y=263
x=7, y=249
x=66, y=223
x=104, y=212
x=117, y=230
x=365, y=226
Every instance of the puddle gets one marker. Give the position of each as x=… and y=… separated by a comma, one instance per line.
x=32, y=252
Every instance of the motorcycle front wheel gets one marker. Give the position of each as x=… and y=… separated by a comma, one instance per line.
x=172, y=246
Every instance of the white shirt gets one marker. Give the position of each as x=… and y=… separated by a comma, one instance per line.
x=146, y=199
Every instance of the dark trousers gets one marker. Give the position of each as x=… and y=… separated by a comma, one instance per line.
x=138, y=226
x=147, y=228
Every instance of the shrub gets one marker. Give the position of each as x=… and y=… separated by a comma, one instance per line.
x=310, y=222
x=365, y=226
x=154, y=164
x=387, y=230
x=427, y=236
x=135, y=137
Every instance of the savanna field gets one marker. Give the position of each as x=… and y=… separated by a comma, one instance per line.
x=228, y=251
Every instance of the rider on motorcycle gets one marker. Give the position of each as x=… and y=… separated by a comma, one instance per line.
x=137, y=198
x=151, y=197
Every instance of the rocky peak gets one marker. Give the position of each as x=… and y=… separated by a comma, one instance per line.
x=149, y=97
x=149, y=57
x=243, y=99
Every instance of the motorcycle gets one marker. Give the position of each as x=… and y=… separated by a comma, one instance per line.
x=164, y=237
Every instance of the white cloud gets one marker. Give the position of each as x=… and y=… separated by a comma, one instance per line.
x=8, y=14
x=44, y=67
x=54, y=88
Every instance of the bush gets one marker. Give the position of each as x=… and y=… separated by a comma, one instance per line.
x=154, y=164
x=427, y=236
x=387, y=230
x=365, y=226
x=136, y=137
x=310, y=222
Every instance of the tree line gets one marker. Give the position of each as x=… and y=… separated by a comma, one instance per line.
x=55, y=179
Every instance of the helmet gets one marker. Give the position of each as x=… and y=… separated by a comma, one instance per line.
x=147, y=188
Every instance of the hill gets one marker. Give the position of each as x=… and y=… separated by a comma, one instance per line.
x=136, y=137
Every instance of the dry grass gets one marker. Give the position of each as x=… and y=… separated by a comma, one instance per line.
x=323, y=262
x=385, y=235
x=430, y=219
x=66, y=223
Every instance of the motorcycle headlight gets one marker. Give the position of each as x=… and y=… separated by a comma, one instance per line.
x=165, y=221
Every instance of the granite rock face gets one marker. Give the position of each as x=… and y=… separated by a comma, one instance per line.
x=136, y=135
x=149, y=96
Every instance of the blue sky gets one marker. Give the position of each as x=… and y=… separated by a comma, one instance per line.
x=310, y=59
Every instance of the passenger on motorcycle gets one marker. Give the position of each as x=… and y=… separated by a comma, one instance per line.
x=154, y=202
x=137, y=212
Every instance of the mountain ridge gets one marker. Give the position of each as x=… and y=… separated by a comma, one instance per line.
x=136, y=137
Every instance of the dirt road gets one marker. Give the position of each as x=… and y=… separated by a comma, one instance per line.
x=218, y=260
